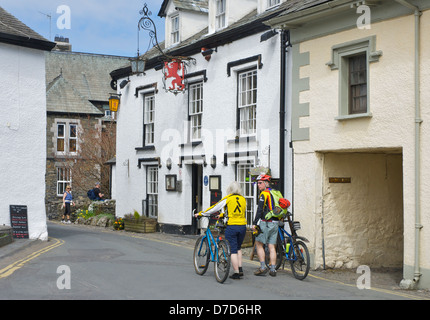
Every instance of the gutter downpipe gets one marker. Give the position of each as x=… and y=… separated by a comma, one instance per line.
x=284, y=40
x=418, y=121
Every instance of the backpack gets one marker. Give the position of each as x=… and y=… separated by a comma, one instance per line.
x=277, y=210
x=91, y=194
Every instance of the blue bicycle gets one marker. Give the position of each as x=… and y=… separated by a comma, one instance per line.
x=292, y=248
x=217, y=250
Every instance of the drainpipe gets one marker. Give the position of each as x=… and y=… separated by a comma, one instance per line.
x=418, y=121
x=284, y=40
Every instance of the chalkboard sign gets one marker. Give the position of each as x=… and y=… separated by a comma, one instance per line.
x=19, y=221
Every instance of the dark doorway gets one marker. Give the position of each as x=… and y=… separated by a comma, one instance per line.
x=197, y=190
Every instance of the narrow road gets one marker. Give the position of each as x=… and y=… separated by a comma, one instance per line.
x=84, y=263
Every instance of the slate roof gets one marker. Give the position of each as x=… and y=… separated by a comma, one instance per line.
x=13, y=31
x=74, y=79
x=250, y=24
x=189, y=5
x=302, y=5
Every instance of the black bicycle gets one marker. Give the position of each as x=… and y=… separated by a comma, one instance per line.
x=292, y=248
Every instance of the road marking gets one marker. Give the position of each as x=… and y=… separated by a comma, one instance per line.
x=256, y=263
x=10, y=269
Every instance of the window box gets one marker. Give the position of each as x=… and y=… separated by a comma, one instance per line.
x=141, y=225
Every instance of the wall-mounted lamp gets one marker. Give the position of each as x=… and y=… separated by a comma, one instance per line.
x=123, y=83
x=138, y=65
x=207, y=53
x=169, y=163
x=114, y=102
x=213, y=162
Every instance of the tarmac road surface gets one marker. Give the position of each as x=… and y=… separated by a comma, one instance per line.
x=85, y=263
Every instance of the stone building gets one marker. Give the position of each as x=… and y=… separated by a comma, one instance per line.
x=77, y=93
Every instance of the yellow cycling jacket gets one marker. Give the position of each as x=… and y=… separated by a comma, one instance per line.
x=234, y=207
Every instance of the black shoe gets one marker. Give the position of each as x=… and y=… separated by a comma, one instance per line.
x=235, y=276
x=241, y=272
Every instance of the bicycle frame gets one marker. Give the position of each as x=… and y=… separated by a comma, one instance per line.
x=211, y=243
x=281, y=232
x=291, y=238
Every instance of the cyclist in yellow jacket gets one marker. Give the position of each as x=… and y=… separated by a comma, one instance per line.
x=234, y=205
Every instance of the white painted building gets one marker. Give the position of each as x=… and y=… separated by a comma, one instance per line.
x=360, y=133
x=23, y=123
x=225, y=123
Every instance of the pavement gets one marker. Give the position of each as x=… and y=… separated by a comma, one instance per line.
x=382, y=279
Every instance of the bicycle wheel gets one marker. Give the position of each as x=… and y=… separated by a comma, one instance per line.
x=201, y=255
x=301, y=265
x=223, y=261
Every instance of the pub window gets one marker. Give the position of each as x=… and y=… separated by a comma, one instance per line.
x=271, y=3
x=220, y=14
x=152, y=190
x=196, y=110
x=174, y=34
x=148, y=119
x=244, y=179
x=247, y=102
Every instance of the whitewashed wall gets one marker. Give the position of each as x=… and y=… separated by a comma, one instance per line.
x=219, y=125
x=23, y=135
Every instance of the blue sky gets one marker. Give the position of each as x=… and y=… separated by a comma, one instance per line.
x=96, y=26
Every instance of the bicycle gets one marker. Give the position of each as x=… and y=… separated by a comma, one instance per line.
x=207, y=248
x=292, y=248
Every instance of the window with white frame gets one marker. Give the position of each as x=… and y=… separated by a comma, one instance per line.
x=247, y=102
x=196, y=110
x=152, y=190
x=64, y=178
x=248, y=189
x=73, y=137
x=66, y=138
x=148, y=119
x=220, y=20
x=271, y=3
x=174, y=31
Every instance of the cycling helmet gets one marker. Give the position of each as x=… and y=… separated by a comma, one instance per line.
x=284, y=203
x=263, y=177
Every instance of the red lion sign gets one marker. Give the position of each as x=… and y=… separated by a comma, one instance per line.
x=174, y=72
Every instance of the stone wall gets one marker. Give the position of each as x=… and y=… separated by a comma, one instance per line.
x=363, y=219
x=52, y=200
